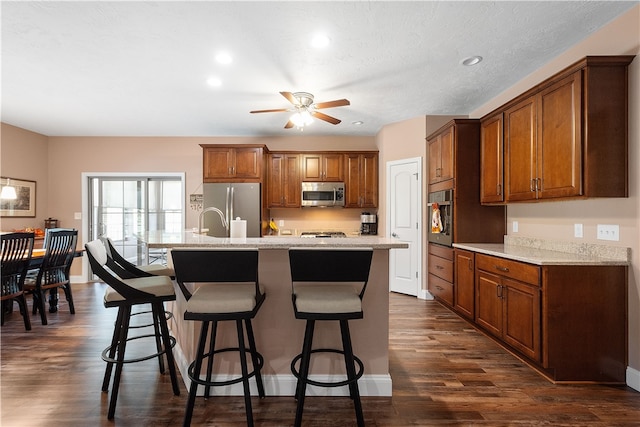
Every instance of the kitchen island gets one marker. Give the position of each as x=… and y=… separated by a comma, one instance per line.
x=278, y=334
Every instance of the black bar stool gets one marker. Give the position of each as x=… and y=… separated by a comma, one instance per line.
x=124, y=294
x=229, y=290
x=328, y=284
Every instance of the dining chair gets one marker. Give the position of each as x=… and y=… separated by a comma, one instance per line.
x=128, y=270
x=17, y=249
x=53, y=273
x=124, y=294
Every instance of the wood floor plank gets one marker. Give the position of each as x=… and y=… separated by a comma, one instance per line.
x=444, y=372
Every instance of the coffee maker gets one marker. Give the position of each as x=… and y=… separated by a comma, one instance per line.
x=368, y=224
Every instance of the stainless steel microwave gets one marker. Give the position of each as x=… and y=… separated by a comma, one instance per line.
x=323, y=194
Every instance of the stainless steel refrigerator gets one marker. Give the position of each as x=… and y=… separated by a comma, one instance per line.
x=234, y=200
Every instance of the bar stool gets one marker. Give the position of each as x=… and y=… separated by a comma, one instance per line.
x=124, y=294
x=229, y=290
x=328, y=284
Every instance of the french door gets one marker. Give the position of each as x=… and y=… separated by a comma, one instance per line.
x=123, y=206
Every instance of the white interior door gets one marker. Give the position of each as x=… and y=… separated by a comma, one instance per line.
x=404, y=207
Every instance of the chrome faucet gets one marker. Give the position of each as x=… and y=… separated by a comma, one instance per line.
x=225, y=224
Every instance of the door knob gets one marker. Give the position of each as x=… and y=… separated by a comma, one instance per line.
x=394, y=235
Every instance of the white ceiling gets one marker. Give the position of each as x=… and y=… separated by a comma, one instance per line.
x=141, y=68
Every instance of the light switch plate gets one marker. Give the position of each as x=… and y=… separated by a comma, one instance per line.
x=577, y=230
x=77, y=215
x=515, y=226
x=608, y=232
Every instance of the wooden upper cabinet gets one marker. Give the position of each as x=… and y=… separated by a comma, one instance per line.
x=323, y=167
x=491, y=158
x=543, y=143
x=232, y=163
x=361, y=181
x=283, y=180
x=564, y=138
x=441, y=156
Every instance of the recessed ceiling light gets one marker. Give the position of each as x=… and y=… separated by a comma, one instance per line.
x=357, y=123
x=224, y=58
x=472, y=60
x=320, y=41
x=214, y=82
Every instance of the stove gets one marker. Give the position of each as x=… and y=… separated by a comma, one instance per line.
x=325, y=234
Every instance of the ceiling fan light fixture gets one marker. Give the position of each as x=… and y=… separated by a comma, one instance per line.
x=301, y=118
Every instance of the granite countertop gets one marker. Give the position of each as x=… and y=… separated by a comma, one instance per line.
x=187, y=238
x=545, y=252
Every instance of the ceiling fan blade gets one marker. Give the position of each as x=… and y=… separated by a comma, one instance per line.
x=292, y=99
x=326, y=118
x=277, y=110
x=331, y=104
x=289, y=125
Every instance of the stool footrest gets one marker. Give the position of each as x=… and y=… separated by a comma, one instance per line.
x=167, y=315
x=108, y=359
x=296, y=372
x=233, y=380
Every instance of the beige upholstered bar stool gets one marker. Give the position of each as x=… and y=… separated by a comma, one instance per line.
x=127, y=270
x=228, y=290
x=125, y=294
x=328, y=284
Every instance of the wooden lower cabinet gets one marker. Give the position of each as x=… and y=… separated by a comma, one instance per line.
x=440, y=282
x=464, y=283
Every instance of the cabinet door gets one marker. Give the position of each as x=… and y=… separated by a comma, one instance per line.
x=218, y=163
x=275, y=181
x=333, y=167
x=312, y=167
x=292, y=190
x=434, y=160
x=521, y=317
x=464, y=287
x=559, y=138
x=491, y=160
x=520, y=151
x=247, y=162
x=489, y=302
x=446, y=154
x=361, y=180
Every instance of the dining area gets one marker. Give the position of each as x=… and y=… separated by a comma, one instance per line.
x=38, y=273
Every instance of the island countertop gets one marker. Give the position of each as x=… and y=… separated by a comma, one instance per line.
x=188, y=238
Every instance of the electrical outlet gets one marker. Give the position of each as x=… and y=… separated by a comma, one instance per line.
x=515, y=226
x=77, y=215
x=577, y=230
x=608, y=232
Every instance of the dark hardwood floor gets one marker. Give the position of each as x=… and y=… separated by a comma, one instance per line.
x=444, y=373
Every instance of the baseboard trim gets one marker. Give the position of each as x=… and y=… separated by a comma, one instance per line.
x=424, y=294
x=633, y=378
x=285, y=384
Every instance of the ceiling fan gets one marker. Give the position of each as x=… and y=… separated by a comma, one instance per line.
x=304, y=109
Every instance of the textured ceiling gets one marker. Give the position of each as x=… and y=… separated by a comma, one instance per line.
x=141, y=68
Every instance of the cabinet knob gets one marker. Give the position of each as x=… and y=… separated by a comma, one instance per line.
x=500, y=268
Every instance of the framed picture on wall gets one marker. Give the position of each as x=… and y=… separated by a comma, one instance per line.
x=19, y=202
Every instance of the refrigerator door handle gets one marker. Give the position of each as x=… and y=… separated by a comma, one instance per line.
x=231, y=204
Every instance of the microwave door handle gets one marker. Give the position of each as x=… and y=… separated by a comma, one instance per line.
x=335, y=195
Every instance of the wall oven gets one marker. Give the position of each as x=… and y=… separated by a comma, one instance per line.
x=441, y=214
x=323, y=194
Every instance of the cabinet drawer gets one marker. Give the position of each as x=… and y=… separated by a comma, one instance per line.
x=441, y=289
x=508, y=268
x=441, y=251
x=441, y=267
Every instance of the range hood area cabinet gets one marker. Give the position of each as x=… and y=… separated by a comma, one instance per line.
x=233, y=163
x=286, y=170
x=564, y=138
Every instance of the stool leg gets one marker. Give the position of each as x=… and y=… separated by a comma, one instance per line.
x=212, y=347
x=112, y=351
x=122, y=344
x=351, y=370
x=304, y=370
x=254, y=357
x=162, y=320
x=157, y=312
x=193, y=389
x=245, y=373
